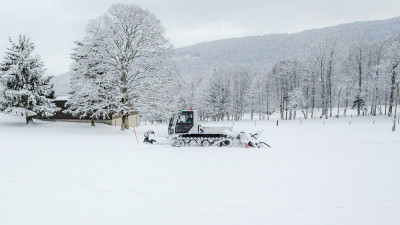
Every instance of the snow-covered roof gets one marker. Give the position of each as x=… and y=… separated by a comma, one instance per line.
x=62, y=98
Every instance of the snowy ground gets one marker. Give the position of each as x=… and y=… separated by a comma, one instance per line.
x=318, y=172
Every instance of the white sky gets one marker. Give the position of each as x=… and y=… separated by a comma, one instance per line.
x=53, y=25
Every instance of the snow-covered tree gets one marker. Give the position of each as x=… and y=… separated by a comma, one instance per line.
x=91, y=90
x=345, y=84
x=25, y=91
x=136, y=56
x=217, y=95
x=287, y=74
x=358, y=52
x=261, y=95
x=296, y=101
x=377, y=53
x=392, y=63
x=321, y=65
x=199, y=100
x=241, y=101
x=161, y=97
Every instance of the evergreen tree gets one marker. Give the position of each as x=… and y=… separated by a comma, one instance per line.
x=358, y=103
x=25, y=91
x=91, y=90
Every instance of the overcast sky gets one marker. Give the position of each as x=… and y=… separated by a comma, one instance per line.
x=53, y=25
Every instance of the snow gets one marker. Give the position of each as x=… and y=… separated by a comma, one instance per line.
x=63, y=98
x=317, y=172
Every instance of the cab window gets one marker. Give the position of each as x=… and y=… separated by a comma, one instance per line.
x=185, y=117
x=185, y=122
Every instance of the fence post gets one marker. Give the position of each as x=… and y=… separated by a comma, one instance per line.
x=135, y=134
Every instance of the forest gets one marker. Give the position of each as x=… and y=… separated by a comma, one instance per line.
x=363, y=77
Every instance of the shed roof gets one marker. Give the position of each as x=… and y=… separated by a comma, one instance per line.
x=62, y=98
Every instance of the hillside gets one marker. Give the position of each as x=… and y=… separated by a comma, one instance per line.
x=261, y=52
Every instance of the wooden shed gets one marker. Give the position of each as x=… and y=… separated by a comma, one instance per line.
x=62, y=116
x=133, y=120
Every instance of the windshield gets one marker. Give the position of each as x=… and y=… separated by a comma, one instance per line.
x=185, y=117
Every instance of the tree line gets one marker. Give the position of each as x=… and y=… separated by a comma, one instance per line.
x=363, y=77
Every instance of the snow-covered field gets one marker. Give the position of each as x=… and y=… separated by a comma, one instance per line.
x=335, y=171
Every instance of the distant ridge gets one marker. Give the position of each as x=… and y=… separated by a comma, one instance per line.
x=261, y=52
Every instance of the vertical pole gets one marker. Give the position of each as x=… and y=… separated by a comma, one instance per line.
x=135, y=134
x=395, y=109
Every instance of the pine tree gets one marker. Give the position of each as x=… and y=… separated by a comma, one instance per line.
x=358, y=103
x=25, y=92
